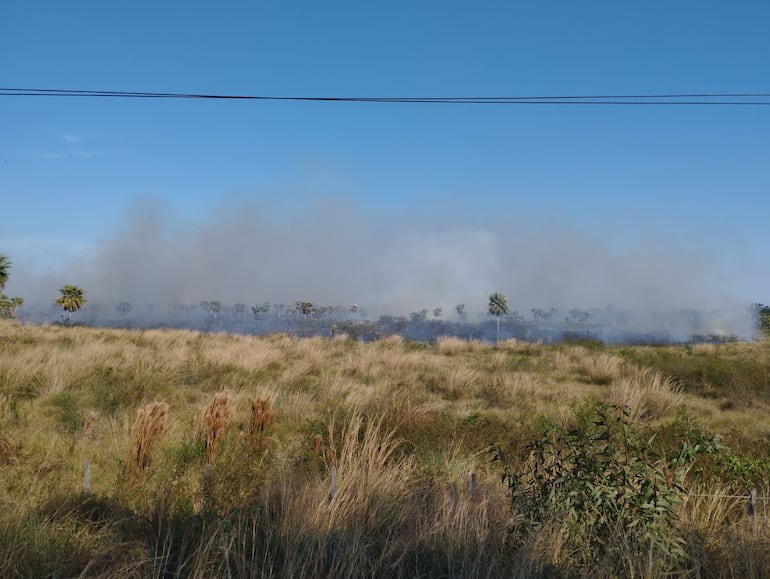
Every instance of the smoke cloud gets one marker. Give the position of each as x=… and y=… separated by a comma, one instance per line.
x=332, y=252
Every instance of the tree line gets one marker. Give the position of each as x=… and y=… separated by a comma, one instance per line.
x=72, y=298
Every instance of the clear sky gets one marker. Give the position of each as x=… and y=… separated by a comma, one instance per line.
x=72, y=169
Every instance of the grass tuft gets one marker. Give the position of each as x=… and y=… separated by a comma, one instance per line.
x=149, y=425
x=216, y=420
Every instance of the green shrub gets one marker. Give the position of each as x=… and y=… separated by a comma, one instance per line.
x=609, y=491
x=67, y=411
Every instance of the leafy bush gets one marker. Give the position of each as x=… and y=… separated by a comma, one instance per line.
x=609, y=492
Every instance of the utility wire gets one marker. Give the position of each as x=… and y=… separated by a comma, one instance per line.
x=709, y=99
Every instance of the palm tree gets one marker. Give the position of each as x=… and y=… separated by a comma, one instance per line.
x=71, y=300
x=16, y=303
x=498, y=306
x=304, y=307
x=6, y=308
x=5, y=266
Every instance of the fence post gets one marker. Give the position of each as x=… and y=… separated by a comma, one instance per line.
x=87, y=476
x=473, y=486
x=333, y=484
x=752, y=503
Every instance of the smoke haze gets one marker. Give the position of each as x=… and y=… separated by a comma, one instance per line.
x=333, y=252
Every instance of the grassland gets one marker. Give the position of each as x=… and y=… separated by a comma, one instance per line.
x=227, y=455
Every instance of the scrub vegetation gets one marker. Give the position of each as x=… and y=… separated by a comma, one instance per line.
x=280, y=456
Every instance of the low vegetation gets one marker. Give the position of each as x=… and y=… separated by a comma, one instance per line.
x=280, y=456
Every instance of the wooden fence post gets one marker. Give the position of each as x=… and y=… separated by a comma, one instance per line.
x=753, y=503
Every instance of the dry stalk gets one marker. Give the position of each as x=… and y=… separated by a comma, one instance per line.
x=262, y=418
x=216, y=420
x=150, y=423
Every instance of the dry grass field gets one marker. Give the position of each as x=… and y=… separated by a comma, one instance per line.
x=277, y=456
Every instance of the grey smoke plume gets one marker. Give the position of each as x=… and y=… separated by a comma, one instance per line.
x=331, y=252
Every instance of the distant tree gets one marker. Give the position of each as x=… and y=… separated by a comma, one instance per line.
x=460, y=309
x=304, y=307
x=437, y=313
x=577, y=316
x=71, y=300
x=124, y=308
x=353, y=308
x=5, y=268
x=211, y=308
x=538, y=314
x=762, y=314
x=239, y=310
x=553, y=313
x=5, y=306
x=8, y=306
x=260, y=310
x=498, y=306
x=322, y=312
x=420, y=316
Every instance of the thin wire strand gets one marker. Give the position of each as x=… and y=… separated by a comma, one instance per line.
x=635, y=100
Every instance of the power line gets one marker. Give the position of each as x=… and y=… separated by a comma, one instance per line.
x=689, y=99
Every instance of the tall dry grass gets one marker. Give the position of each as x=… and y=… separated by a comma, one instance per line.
x=262, y=418
x=598, y=368
x=451, y=346
x=149, y=425
x=217, y=417
x=646, y=393
x=404, y=426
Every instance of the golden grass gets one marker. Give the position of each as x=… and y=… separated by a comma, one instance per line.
x=705, y=349
x=598, y=368
x=451, y=346
x=403, y=426
x=646, y=393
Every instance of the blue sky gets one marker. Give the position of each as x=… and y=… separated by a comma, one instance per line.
x=697, y=177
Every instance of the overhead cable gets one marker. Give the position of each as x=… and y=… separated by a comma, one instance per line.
x=709, y=99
